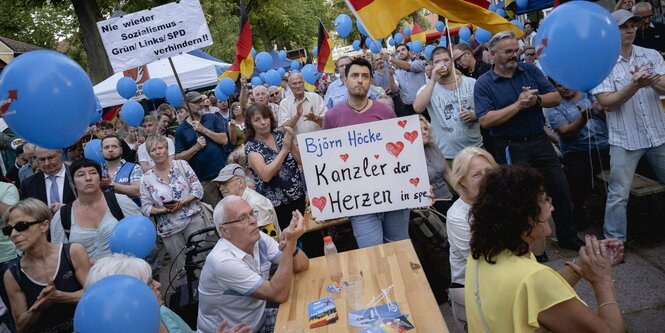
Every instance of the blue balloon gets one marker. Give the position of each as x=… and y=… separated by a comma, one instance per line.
x=126, y=87
x=93, y=151
x=117, y=303
x=439, y=26
x=227, y=86
x=219, y=94
x=443, y=42
x=492, y=8
x=463, y=41
x=521, y=4
x=281, y=71
x=295, y=65
x=361, y=29
x=154, y=88
x=596, y=39
x=464, y=33
x=49, y=98
x=343, y=25
x=263, y=61
x=375, y=47
x=132, y=113
x=518, y=23
x=483, y=36
x=282, y=55
x=356, y=45
x=99, y=111
x=273, y=78
x=256, y=81
x=399, y=38
x=315, y=51
x=501, y=12
x=134, y=236
x=262, y=76
x=416, y=46
x=391, y=42
x=309, y=73
x=428, y=51
x=410, y=45
x=174, y=95
x=407, y=32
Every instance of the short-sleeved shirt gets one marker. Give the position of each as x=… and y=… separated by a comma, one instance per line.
x=458, y=227
x=592, y=136
x=342, y=115
x=450, y=133
x=410, y=81
x=640, y=122
x=512, y=293
x=337, y=93
x=286, y=186
x=229, y=278
x=208, y=161
x=493, y=92
x=312, y=102
x=145, y=157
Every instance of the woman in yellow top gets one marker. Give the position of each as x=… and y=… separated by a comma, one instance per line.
x=507, y=290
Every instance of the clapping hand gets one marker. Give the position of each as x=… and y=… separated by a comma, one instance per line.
x=595, y=264
x=527, y=98
x=201, y=142
x=46, y=297
x=287, y=142
x=240, y=328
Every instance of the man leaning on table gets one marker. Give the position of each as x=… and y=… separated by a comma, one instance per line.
x=234, y=283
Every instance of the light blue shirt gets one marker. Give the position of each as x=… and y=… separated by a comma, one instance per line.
x=338, y=93
x=410, y=81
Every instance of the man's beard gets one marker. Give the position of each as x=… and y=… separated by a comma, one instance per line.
x=113, y=158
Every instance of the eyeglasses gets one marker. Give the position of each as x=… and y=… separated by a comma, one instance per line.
x=529, y=54
x=274, y=94
x=460, y=56
x=510, y=52
x=245, y=218
x=19, y=226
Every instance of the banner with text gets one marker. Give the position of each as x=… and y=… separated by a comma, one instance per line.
x=140, y=38
x=366, y=168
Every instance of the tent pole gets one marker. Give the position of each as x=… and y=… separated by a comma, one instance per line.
x=182, y=91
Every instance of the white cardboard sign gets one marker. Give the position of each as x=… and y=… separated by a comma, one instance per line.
x=140, y=38
x=366, y=168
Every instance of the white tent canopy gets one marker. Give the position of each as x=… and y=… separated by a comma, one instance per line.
x=194, y=72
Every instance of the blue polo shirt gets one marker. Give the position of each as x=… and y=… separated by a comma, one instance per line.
x=493, y=92
x=207, y=162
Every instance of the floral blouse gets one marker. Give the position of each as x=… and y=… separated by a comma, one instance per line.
x=286, y=186
x=156, y=191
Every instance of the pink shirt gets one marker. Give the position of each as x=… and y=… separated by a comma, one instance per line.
x=342, y=115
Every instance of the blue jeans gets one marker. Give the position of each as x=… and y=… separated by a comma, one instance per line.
x=374, y=229
x=622, y=168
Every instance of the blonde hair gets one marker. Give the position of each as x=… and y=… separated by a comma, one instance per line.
x=30, y=206
x=462, y=162
x=155, y=139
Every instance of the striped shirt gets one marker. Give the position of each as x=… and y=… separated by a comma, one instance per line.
x=640, y=122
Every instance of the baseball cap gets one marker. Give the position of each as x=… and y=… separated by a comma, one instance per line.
x=228, y=172
x=622, y=16
x=193, y=97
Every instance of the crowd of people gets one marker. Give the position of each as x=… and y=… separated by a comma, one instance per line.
x=508, y=150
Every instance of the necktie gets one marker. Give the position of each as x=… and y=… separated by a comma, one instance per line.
x=53, y=190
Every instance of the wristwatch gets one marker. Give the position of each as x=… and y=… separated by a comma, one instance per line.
x=539, y=100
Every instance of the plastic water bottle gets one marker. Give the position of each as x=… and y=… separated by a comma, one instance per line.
x=332, y=259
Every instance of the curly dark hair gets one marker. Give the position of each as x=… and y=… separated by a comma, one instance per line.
x=507, y=199
x=265, y=111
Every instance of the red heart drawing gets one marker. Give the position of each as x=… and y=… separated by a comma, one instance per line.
x=411, y=136
x=376, y=157
x=401, y=123
x=344, y=157
x=319, y=203
x=395, y=148
x=413, y=181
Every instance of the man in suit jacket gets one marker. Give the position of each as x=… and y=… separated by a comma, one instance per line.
x=51, y=184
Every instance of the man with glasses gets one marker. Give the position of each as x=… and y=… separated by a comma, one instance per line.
x=467, y=64
x=275, y=94
x=650, y=35
x=51, y=185
x=302, y=110
x=234, y=283
x=635, y=119
x=202, y=140
x=509, y=101
x=231, y=181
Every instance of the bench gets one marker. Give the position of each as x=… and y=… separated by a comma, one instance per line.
x=641, y=186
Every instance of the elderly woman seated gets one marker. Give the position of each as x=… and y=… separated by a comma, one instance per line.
x=115, y=264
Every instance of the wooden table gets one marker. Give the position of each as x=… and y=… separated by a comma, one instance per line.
x=312, y=225
x=381, y=266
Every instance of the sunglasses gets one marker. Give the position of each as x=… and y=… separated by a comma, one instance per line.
x=274, y=94
x=20, y=227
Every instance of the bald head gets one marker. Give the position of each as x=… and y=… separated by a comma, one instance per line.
x=645, y=11
x=297, y=85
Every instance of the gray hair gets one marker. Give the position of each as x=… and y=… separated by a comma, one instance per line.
x=152, y=140
x=387, y=100
x=29, y=147
x=494, y=42
x=118, y=264
x=219, y=213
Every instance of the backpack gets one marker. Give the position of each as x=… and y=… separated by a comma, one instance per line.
x=430, y=240
x=66, y=212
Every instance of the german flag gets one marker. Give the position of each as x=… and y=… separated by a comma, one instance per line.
x=417, y=33
x=244, y=57
x=325, y=60
x=391, y=12
x=232, y=72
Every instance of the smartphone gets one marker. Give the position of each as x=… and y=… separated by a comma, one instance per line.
x=169, y=203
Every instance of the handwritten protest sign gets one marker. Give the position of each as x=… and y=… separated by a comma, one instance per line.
x=366, y=168
x=139, y=38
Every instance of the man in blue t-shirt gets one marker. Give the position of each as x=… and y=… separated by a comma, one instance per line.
x=202, y=140
x=509, y=101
